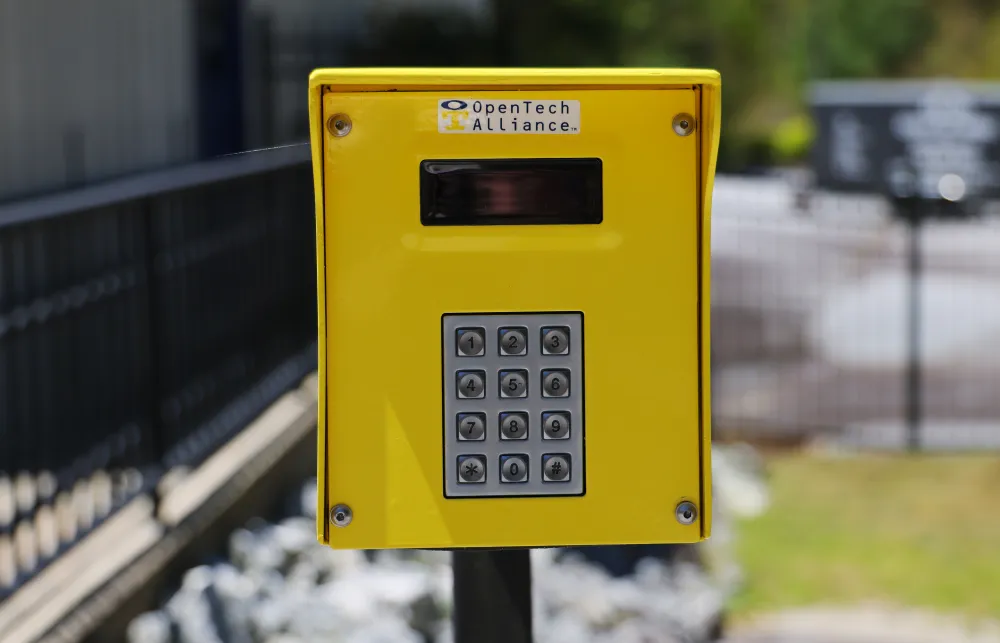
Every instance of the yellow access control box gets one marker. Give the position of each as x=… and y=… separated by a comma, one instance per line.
x=513, y=305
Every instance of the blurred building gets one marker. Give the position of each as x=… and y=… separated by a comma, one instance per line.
x=95, y=89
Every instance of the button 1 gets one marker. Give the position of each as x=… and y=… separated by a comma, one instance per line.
x=555, y=467
x=471, y=384
x=471, y=426
x=471, y=468
x=555, y=340
x=555, y=383
x=513, y=383
x=555, y=425
x=513, y=341
x=513, y=426
x=513, y=468
x=471, y=342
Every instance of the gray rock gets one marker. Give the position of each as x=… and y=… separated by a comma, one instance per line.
x=283, y=586
x=151, y=627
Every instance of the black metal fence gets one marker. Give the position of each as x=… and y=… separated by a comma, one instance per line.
x=811, y=313
x=142, y=323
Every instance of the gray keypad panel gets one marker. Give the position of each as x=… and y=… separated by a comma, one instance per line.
x=530, y=403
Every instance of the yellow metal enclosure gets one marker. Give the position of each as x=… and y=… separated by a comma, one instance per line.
x=635, y=279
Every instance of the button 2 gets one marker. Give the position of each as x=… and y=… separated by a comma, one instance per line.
x=555, y=383
x=471, y=469
x=471, y=426
x=471, y=342
x=513, y=468
x=512, y=341
x=555, y=341
x=471, y=384
x=513, y=426
x=513, y=383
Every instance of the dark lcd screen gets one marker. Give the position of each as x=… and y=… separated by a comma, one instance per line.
x=511, y=192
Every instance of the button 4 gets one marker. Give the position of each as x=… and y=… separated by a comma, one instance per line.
x=471, y=384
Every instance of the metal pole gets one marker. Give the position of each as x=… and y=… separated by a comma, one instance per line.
x=914, y=407
x=492, y=596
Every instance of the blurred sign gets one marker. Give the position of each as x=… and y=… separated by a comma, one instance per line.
x=928, y=140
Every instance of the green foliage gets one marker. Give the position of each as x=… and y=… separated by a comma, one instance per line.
x=866, y=38
x=767, y=50
x=792, y=138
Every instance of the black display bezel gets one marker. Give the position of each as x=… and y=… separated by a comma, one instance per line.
x=566, y=191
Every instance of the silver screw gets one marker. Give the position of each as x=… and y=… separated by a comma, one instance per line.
x=341, y=515
x=339, y=124
x=686, y=513
x=683, y=124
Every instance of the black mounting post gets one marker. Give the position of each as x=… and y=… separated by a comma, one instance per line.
x=492, y=596
x=914, y=373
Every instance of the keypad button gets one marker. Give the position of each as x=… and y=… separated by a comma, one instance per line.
x=555, y=467
x=513, y=468
x=512, y=341
x=471, y=426
x=555, y=425
x=513, y=383
x=471, y=469
x=555, y=341
x=471, y=342
x=555, y=383
x=513, y=426
x=471, y=384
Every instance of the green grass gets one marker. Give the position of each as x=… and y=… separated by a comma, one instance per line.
x=908, y=531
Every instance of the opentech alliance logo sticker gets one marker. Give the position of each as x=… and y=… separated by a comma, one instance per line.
x=453, y=115
x=508, y=116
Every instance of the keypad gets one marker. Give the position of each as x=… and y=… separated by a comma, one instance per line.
x=513, y=392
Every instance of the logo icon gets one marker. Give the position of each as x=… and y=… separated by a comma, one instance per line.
x=454, y=114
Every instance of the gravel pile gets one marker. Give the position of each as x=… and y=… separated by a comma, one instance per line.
x=278, y=585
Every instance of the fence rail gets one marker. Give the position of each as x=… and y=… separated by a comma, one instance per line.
x=142, y=323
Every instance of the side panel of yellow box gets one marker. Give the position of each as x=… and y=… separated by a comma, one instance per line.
x=425, y=524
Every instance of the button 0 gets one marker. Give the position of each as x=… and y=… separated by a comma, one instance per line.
x=555, y=341
x=471, y=384
x=513, y=468
x=471, y=342
x=513, y=383
x=513, y=426
x=555, y=426
x=471, y=426
x=513, y=341
x=555, y=383
x=555, y=467
x=471, y=468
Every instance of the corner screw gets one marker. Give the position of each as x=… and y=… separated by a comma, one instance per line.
x=683, y=124
x=686, y=513
x=339, y=125
x=341, y=515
